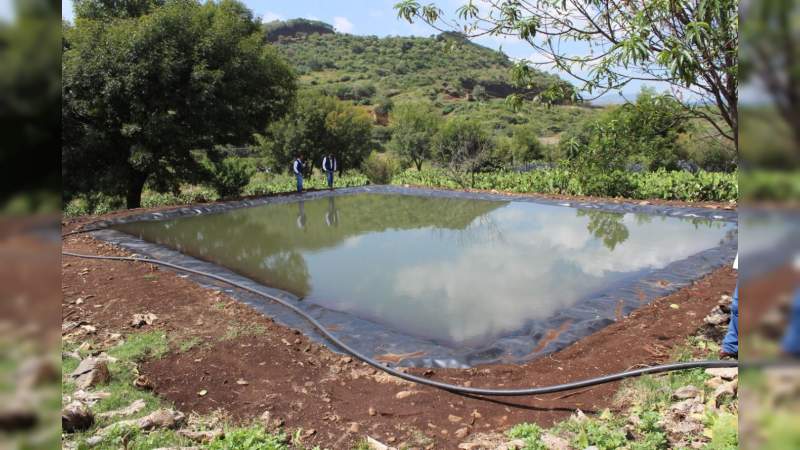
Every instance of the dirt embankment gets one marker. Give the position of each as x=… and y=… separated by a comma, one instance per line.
x=249, y=365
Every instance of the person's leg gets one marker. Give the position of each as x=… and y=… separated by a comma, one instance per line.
x=791, y=340
x=730, y=345
x=330, y=179
x=299, y=183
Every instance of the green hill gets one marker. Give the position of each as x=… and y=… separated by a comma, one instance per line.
x=444, y=67
x=458, y=76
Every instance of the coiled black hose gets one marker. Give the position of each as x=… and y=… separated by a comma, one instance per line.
x=421, y=380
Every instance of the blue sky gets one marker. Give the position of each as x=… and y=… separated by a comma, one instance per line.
x=377, y=17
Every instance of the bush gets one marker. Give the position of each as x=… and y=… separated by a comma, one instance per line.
x=666, y=185
x=380, y=168
x=231, y=175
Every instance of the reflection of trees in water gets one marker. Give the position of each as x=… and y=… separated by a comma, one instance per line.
x=267, y=243
x=606, y=226
x=483, y=229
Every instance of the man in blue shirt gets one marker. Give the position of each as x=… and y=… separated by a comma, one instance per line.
x=329, y=166
x=730, y=344
x=297, y=168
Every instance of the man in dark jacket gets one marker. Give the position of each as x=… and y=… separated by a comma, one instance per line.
x=297, y=168
x=329, y=166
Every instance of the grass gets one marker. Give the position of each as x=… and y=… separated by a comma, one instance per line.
x=137, y=348
x=647, y=399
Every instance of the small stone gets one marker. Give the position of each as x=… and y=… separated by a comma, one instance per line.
x=461, y=433
x=724, y=392
x=674, y=306
x=355, y=428
x=91, y=372
x=372, y=411
x=133, y=408
x=242, y=382
x=140, y=320
x=454, y=419
x=143, y=383
x=553, y=442
x=714, y=383
x=726, y=373
x=687, y=392
x=403, y=394
x=202, y=393
x=76, y=417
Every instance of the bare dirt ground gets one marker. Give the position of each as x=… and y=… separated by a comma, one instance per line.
x=249, y=365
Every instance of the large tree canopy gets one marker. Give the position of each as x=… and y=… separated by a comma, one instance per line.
x=319, y=125
x=140, y=93
x=30, y=104
x=690, y=44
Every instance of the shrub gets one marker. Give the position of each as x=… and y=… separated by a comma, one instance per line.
x=231, y=175
x=380, y=168
x=666, y=185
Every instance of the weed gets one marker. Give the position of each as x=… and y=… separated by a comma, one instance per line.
x=530, y=433
x=188, y=344
x=250, y=438
x=140, y=346
x=239, y=330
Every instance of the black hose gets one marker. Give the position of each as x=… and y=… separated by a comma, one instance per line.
x=422, y=380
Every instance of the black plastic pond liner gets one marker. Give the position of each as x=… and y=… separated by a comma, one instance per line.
x=371, y=339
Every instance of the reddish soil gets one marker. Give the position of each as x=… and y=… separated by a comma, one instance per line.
x=308, y=386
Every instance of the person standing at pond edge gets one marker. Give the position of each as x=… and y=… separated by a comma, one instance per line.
x=329, y=166
x=730, y=344
x=297, y=168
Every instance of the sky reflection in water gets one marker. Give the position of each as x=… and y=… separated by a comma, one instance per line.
x=452, y=270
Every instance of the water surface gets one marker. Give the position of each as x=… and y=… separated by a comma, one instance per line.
x=456, y=271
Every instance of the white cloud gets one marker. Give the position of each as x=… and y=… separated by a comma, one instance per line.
x=270, y=16
x=342, y=24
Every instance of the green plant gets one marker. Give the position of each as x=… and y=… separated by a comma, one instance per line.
x=380, y=168
x=605, y=434
x=530, y=433
x=231, y=175
x=250, y=438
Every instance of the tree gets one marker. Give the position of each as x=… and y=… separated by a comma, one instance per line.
x=462, y=146
x=689, y=44
x=114, y=9
x=30, y=106
x=318, y=125
x=646, y=132
x=415, y=125
x=771, y=56
x=525, y=144
x=140, y=93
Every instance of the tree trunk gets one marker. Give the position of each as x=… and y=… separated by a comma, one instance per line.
x=133, y=197
x=419, y=165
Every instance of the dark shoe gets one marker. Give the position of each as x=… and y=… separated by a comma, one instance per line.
x=726, y=355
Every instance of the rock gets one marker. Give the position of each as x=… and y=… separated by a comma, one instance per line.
x=266, y=419
x=726, y=373
x=133, y=408
x=89, y=398
x=36, y=371
x=372, y=411
x=461, y=433
x=143, y=383
x=687, y=392
x=376, y=445
x=159, y=419
x=554, y=442
x=242, y=382
x=454, y=419
x=140, y=320
x=203, y=437
x=76, y=417
x=724, y=392
x=17, y=418
x=91, y=372
x=516, y=444
x=403, y=394
x=355, y=428
x=202, y=393
x=714, y=383
x=717, y=317
x=579, y=416
x=686, y=408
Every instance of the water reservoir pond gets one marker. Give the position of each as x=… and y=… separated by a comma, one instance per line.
x=458, y=272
